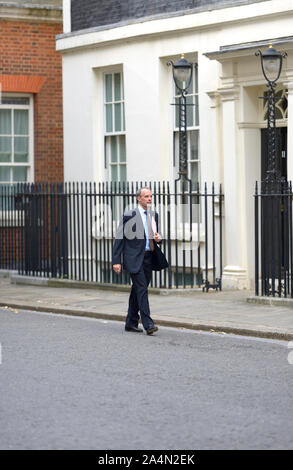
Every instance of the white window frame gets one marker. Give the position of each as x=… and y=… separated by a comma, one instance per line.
x=30, y=108
x=198, y=234
x=107, y=135
x=194, y=127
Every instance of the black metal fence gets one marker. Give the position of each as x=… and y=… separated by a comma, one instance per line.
x=273, y=239
x=67, y=231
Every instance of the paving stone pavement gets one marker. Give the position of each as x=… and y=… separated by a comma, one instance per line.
x=227, y=311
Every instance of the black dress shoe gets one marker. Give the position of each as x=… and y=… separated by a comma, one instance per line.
x=150, y=331
x=134, y=329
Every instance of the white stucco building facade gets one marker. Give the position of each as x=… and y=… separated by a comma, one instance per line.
x=116, y=84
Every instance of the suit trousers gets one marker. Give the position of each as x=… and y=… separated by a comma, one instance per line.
x=138, y=299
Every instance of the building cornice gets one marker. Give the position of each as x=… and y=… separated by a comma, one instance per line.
x=30, y=12
x=244, y=49
x=229, y=93
x=214, y=97
x=153, y=27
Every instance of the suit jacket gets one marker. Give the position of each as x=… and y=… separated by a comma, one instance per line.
x=131, y=240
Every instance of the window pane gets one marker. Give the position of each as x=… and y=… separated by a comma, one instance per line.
x=5, y=149
x=21, y=144
x=108, y=88
x=15, y=100
x=20, y=157
x=193, y=145
x=196, y=112
x=195, y=71
x=21, y=149
x=279, y=95
x=189, y=111
x=114, y=152
x=284, y=101
x=117, y=111
x=4, y=173
x=177, y=112
x=7, y=203
x=5, y=121
x=19, y=173
x=122, y=148
x=122, y=172
x=279, y=114
x=123, y=111
x=190, y=88
x=194, y=173
x=5, y=157
x=192, y=114
x=175, y=149
x=114, y=172
x=109, y=116
x=21, y=122
x=117, y=87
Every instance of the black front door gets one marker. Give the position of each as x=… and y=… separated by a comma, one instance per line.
x=274, y=227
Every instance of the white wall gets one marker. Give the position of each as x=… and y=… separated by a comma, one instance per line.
x=78, y=92
x=229, y=106
x=148, y=93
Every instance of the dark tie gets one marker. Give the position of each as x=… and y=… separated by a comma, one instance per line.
x=150, y=232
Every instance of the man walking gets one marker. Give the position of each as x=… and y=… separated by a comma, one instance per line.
x=136, y=240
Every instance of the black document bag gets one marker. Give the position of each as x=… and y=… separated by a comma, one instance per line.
x=159, y=259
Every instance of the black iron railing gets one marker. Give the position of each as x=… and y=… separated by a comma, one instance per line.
x=273, y=239
x=67, y=231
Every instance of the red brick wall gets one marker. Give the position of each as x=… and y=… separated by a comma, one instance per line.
x=30, y=49
x=12, y=247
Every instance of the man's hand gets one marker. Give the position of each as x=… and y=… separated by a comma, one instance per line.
x=157, y=237
x=117, y=268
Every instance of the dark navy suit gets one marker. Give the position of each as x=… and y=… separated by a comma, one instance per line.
x=130, y=244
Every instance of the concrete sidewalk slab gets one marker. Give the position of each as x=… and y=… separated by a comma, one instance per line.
x=226, y=311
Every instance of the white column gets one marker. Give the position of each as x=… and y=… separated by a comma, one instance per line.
x=211, y=163
x=235, y=274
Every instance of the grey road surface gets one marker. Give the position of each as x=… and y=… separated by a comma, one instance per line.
x=80, y=383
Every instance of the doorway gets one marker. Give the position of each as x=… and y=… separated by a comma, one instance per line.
x=281, y=146
x=275, y=216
